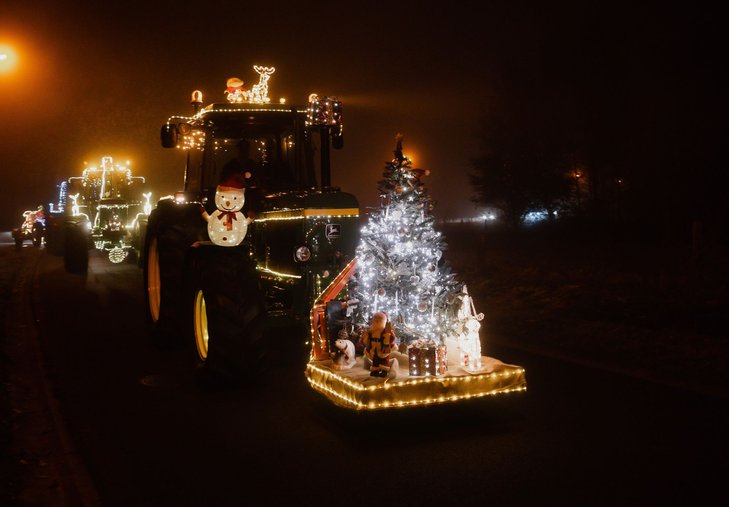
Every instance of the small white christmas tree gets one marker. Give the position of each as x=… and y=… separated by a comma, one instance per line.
x=400, y=267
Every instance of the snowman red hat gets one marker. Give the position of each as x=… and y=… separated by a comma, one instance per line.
x=233, y=183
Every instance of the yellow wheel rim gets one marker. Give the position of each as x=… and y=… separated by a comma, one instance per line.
x=153, y=285
x=201, y=326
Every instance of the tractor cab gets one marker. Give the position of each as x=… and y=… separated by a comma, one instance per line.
x=303, y=230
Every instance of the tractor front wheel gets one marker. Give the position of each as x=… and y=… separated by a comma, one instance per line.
x=228, y=312
x=167, y=246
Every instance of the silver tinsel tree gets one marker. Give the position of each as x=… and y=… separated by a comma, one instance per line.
x=401, y=269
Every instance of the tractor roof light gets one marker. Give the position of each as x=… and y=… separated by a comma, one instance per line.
x=196, y=100
x=324, y=111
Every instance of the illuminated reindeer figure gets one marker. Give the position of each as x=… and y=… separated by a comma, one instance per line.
x=147, y=204
x=75, y=206
x=259, y=93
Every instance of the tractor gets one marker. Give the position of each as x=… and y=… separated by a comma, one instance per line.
x=98, y=210
x=32, y=229
x=303, y=231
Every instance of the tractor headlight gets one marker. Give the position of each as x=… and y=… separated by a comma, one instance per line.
x=302, y=254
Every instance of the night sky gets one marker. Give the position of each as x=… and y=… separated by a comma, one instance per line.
x=100, y=78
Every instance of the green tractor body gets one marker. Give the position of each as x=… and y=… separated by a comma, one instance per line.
x=302, y=232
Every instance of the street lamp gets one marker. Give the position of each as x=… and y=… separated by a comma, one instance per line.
x=8, y=60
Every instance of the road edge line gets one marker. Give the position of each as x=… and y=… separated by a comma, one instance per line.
x=78, y=473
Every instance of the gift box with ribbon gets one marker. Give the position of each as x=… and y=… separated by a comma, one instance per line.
x=427, y=358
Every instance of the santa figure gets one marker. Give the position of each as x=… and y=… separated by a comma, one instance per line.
x=379, y=342
x=234, y=90
x=227, y=226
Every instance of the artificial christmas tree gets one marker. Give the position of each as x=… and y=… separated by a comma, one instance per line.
x=401, y=270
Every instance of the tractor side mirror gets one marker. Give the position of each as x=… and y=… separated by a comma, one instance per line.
x=168, y=135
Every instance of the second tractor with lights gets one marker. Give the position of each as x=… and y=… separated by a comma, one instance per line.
x=98, y=210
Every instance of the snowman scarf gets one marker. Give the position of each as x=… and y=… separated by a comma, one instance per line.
x=228, y=217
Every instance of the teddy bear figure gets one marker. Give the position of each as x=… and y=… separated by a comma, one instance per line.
x=344, y=357
x=227, y=226
x=379, y=342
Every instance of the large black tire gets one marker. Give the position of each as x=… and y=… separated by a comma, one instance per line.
x=54, y=237
x=138, y=238
x=76, y=250
x=19, y=242
x=232, y=324
x=166, y=246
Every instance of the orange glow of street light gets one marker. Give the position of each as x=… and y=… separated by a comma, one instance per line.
x=8, y=59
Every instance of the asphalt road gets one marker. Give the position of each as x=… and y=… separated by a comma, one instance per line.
x=6, y=238
x=147, y=435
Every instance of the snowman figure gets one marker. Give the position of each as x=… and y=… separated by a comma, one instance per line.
x=227, y=226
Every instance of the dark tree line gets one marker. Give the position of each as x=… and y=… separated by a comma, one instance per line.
x=635, y=109
x=522, y=165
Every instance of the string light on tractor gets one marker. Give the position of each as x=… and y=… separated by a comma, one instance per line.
x=117, y=255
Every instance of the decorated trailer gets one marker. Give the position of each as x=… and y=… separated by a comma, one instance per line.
x=396, y=328
x=421, y=373
x=99, y=210
x=257, y=231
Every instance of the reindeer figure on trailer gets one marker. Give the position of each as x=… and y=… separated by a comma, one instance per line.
x=259, y=92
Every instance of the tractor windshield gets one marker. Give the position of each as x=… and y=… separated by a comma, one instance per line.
x=271, y=147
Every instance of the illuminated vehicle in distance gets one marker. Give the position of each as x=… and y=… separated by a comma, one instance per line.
x=98, y=210
x=32, y=229
x=304, y=231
